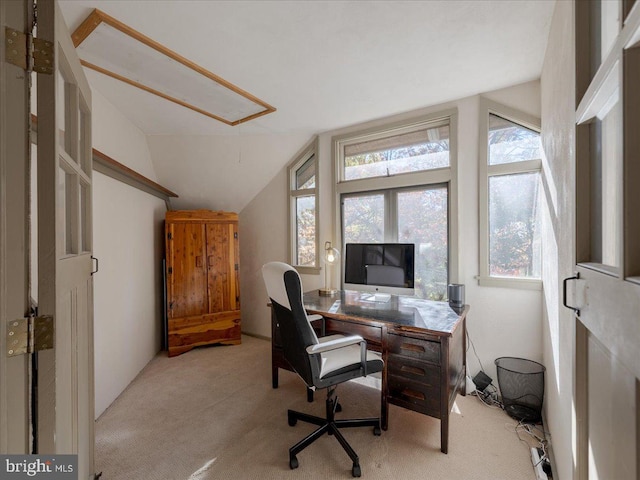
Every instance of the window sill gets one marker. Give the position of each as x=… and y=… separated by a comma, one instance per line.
x=308, y=270
x=519, y=283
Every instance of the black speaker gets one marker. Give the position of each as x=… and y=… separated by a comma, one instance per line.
x=455, y=292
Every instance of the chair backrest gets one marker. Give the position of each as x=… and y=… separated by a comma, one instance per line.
x=284, y=288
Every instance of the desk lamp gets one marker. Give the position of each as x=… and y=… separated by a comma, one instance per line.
x=331, y=256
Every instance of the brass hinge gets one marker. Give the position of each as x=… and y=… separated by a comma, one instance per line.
x=29, y=335
x=28, y=52
x=235, y=235
x=170, y=270
x=170, y=236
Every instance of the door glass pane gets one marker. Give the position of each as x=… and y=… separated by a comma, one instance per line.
x=606, y=178
x=66, y=194
x=63, y=111
x=408, y=152
x=627, y=5
x=306, y=230
x=514, y=226
x=510, y=142
x=423, y=220
x=85, y=140
x=306, y=174
x=605, y=25
x=85, y=227
x=363, y=218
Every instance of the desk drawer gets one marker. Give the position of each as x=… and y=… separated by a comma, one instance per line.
x=412, y=369
x=373, y=335
x=416, y=348
x=415, y=396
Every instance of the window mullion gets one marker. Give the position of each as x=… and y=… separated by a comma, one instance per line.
x=303, y=193
x=514, y=168
x=391, y=206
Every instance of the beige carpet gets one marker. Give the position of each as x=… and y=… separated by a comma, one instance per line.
x=211, y=414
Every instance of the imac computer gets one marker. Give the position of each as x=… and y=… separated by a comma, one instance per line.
x=381, y=269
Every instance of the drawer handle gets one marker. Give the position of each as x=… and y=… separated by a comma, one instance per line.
x=407, y=392
x=199, y=261
x=414, y=370
x=412, y=347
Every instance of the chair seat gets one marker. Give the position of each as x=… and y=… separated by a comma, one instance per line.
x=344, y=359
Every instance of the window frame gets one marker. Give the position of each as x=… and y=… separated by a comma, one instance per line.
x=439, y=176
x=391, y=216
x=485, y=172
x=308, y=151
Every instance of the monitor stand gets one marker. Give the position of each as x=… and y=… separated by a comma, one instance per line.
x=377, y=297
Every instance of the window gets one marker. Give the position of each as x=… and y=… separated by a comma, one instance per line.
x=417, y=215
x=303, y=191
x=510, y=163
x=397, y=184
x=405, y=149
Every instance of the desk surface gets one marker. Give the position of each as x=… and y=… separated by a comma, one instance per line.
x=405, y=313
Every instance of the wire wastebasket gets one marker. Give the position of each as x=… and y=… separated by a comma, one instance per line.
x=521, y=384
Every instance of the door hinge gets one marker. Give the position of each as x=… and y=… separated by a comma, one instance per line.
x=28, y=52
x=236, y=267
x=29, y=335
x=170, y=236
x=169, y=270
x=235, y=235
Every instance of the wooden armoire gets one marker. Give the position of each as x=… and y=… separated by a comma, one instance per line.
x=203, y=289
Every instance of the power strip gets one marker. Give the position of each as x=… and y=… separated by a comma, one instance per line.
x=537, y=464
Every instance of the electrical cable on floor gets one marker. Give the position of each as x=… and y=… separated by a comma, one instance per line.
x=489, y=397
x=539, y=440
x=469, y=341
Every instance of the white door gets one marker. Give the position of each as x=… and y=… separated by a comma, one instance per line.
x=65, y=244
x=607, y=350
x=14, y=207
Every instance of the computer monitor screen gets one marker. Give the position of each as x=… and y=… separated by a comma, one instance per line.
x=379, y=267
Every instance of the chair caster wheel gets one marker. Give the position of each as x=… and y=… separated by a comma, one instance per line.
x=292, y=421
x=376, y=431
x=293, y=463
x=355, y=471
x=338, y=408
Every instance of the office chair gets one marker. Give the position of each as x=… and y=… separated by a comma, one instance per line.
x=321, y=362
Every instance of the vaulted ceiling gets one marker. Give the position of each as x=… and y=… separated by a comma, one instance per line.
x=322, y=64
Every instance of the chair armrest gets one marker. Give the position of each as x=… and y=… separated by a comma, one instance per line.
x=335, y=343
x=341, y=343
x=314, y=318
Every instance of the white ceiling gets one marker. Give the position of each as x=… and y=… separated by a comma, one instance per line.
x=327, y=64
x=322, y=64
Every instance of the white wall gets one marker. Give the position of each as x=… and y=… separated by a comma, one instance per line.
x=502, y=322
x=127, y=240
x=558, y=140
x=199, y=167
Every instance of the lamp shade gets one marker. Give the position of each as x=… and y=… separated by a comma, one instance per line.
x=331, y=257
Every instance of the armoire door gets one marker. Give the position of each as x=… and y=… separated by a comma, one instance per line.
x=222, y=259
x=186, y=270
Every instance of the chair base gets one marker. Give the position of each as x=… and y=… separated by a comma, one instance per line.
x=330, y=426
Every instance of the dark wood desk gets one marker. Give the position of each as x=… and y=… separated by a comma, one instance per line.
x=422, y=344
